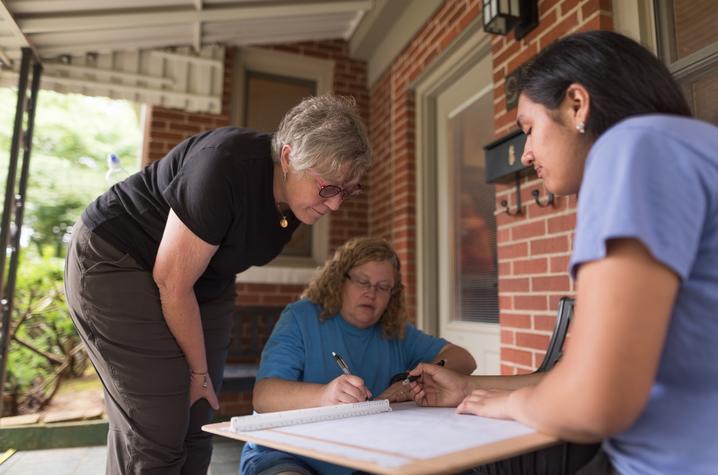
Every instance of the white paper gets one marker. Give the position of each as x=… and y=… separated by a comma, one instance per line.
x=407, y=434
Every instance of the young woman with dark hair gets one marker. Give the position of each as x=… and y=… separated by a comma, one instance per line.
x=603, y=115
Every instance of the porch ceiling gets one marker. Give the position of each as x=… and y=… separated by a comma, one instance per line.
x=70, y=27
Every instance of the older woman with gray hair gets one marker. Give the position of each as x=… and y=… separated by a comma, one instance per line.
x=353, y=312
x=150, y=270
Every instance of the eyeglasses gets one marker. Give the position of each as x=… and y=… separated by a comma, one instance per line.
x=365, y=285
x=328, y=191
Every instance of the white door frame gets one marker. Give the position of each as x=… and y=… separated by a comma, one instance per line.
x=467, y=50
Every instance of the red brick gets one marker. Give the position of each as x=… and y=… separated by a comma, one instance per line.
x=551, y=283
x=552, y=245
x=515, y=320
x=559, y=264
x=528, y=230
x=530, y=266
x=530, y=302
x=566, y=222
x=544, y=322
x=512, y=355
x=565, y=26
x=513, y=250
x=513, y=285
x=532, y=340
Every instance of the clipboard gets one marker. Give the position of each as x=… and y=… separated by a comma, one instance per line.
x=407, y=440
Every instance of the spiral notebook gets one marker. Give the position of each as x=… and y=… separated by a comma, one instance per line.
x=303, y=416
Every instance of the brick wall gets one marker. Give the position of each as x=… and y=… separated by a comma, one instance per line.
x=534, y=248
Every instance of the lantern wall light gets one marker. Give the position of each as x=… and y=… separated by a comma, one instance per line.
x=501, y=16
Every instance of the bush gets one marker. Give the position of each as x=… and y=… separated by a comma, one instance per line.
x=45, y=346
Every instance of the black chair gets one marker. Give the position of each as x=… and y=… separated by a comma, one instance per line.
x=555, y=346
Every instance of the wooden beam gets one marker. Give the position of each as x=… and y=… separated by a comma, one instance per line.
x=216, y=101
x=197, y=33
x=5, y=59
x=67, y=23
x=217, y=63
x=15, y=28
x=109, y=73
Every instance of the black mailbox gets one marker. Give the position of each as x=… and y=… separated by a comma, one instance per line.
x=503, y=157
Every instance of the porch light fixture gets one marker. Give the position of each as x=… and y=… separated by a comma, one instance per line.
x=501, y=16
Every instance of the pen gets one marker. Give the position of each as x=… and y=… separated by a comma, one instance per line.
x=411, y=379
x=342, y=365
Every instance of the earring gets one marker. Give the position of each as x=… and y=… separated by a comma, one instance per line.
x=581, y=127
x=283, y=223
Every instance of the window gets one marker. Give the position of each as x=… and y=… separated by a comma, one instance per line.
x=475, y=225
x=266, y=85
x=688, y=44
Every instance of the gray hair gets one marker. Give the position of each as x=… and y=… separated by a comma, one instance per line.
x=325, y=134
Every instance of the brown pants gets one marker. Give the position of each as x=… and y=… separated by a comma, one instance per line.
x=116, y=308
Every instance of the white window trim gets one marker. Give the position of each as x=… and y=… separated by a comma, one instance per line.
x=284, y=270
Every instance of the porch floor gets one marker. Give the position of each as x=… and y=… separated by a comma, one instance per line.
x=91, y=460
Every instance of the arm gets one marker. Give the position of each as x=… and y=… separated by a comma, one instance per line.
x=604, y=379
x=181, y=259
x=443, y=387
x=275, y=394
x=457, y=359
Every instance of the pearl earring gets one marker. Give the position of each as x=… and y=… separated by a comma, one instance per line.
x=581, y=127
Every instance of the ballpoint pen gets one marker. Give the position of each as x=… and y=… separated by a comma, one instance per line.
x=411, y=379
x=343, y=366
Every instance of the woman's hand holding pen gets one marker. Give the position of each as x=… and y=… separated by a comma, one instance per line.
x=397, y=392
x=343, y=389
x=438, y=386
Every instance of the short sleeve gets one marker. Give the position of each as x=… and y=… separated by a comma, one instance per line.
x=201, y=194
x=640, y=183
x=420, y=347
x=283, y=354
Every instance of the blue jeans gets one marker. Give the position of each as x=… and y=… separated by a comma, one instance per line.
x=264, y=461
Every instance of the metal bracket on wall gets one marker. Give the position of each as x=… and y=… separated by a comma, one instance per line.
x=550, y=199
x=505, y=203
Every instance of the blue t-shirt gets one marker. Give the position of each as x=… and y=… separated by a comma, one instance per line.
x=300, y=349
x=655, y=179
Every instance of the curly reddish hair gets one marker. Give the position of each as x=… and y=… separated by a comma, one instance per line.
x=326, y=288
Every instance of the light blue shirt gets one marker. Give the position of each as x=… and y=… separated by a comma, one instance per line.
x=300, y=349
x=655, y=179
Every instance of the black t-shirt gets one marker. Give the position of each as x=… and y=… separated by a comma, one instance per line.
x=219, y=183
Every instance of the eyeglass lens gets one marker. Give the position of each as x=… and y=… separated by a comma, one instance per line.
x=365, y=285
x=328, y=191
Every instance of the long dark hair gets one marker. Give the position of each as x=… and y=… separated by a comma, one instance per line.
x=622, y=77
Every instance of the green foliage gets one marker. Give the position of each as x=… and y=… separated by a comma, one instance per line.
x=40, y=318
x=73, y=135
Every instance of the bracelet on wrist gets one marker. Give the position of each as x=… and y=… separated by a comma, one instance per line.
x=205, y=377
